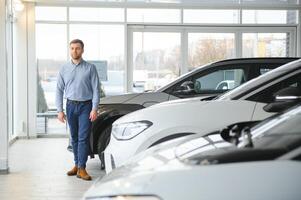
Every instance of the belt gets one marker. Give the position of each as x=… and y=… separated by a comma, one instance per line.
x=78, y=102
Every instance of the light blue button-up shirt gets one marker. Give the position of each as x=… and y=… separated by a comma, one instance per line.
x=79, y=83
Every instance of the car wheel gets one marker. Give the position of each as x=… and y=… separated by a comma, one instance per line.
x=102, y=143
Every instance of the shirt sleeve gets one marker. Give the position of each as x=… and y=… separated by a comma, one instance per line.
x=95, y=88
x=60, y=86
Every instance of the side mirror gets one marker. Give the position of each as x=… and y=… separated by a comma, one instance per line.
x=233, y=132
x=186, y=87
x=138, y=84
x=284, y=99
x=225, y=87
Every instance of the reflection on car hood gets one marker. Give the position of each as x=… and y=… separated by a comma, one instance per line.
x=164, y=155
x=210, y=182
x=154, y=161
x=119, y=185
x=118, y=98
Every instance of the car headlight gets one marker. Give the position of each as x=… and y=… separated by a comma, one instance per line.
x=125, y=198
x=126, y=131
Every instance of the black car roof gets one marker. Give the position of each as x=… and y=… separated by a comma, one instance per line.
x=259, y=60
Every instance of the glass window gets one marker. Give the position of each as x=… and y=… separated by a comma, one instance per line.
x=97, y=14
x=219, y=80
x=154, y=15
x=288, y=123
x=104, y=43
x=265, y=70
x=44, y=13
x=265, y=44
x=291, y=126
x=156, y=59
x=211, y=82
x=51, y=52
x=269, y=17
x=208, y=47
x=205, y=16
x=267, y=95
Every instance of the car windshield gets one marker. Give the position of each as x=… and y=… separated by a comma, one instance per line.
x=161, y=89
x=287, y=124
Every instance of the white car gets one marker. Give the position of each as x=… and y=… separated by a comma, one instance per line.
x=207, y=81
x=265, y=165
x=142, y=129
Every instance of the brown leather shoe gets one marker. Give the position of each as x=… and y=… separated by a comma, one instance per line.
x=82, y=173
x=73, y=171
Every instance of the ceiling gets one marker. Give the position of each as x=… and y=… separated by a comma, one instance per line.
x=211, y=3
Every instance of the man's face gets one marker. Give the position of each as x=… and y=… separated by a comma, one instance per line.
x=76, y=51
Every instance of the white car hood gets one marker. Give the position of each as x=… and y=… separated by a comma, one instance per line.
x=282, y=179
x=192, y=113
x=165, y=107
x=119, y=184
x=180, y=101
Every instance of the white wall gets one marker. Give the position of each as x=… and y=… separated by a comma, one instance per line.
x=3, y=92
x=299, y=36
x=32, y=68
x=25, y=75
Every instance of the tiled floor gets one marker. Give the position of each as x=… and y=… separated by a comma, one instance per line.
x=38, y=172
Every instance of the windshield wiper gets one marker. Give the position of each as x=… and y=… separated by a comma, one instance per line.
x=210, y=98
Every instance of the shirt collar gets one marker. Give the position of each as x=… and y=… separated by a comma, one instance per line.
x=81, y=61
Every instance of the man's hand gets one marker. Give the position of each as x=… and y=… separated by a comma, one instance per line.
x=93, y=115
x=61, y=117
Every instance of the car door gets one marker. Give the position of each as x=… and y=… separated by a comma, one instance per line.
x=211, y=82
x=266, y=94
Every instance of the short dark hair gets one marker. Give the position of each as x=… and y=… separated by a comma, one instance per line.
x=77, y=41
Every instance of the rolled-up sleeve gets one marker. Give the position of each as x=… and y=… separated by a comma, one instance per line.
x=95, y=88
x=60, y=86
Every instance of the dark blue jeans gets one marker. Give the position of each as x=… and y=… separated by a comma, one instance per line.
x=80, y=127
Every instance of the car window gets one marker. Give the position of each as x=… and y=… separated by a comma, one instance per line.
x=219, y=80
x=215, y=81
x=267, y=95
x=266, y=67
x=264, y=70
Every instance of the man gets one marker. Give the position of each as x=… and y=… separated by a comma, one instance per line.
x=79, y=83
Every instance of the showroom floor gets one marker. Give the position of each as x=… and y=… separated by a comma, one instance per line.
x=37, y=172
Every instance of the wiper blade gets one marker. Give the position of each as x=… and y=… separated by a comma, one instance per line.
x=209, y=98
